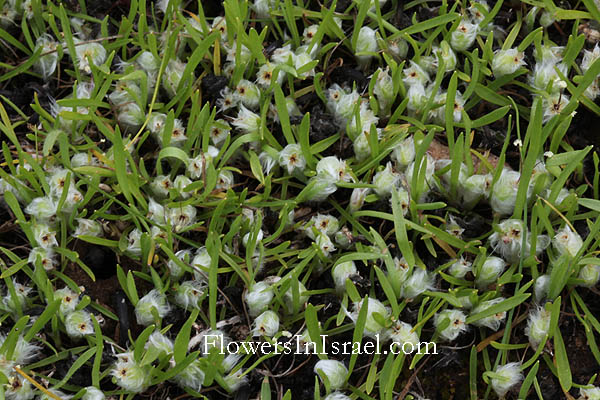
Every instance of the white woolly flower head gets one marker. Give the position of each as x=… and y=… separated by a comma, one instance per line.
x=48, y=258
x=88, y=227
x=402, y=333
x=460, y=267
x=42, y=208
x=83, y=159
x=333, y=170
x=325, y=244
x=292, y=159
x=453, y=227
x=125, y=91
x=246, y=238
x=361, y=146
x=134, y=245
x=490, y=271
x=372, y=324
x=589, y=393
x=181, y=217
x=384, y=88
x=69, y=300
x=148, y=62
x=507, y=240
x=156, y=211
x=196, y=167
x=341, y=273
x=335, y=372
x=418, y=96
x=404, y=152
x=334, y=95
x=153, y=300
x=282, y=55
x=79, y=324
x=159, y=343
x=267, y=162
x=593, y=90
x=504, y=193
x=323, y=223
x=244, y=56
x=202, y=261
x=265, y=75
x=288, y=295
x=130, y=375
x=180, y=183
x=589, y=57
x=258, y=298
x=173, y=75
x=235, y=380
x=357, y=198
x=365, y=44
x=403, y=199
x=478, y=10
x=386, y=181
x=456, y=323
x=399, y=273
x=24, y=352
x=443, y=52
x=544, y=75
x=87, y=53
x=344, y=238
x=219, y=132
x=506, y=62
x=566, y=241
x=417, y=283
x=415, y=74
x=541, y=287
x=475, y=188
x=345, y=105
x=309, y=33
x=191, y=377
x=93, y=393
x=445, y=164
x=464, y=36
x=72, y=201
x=189, y=294
x=301, y=58
x=46, y=65
x=509, y=375
x=18, y=302
x=220, y=25
x=248, y=94
x=439, y=113
x=161, y=185
x=247, y=121
x=590, y=275
x=18, y=388
x=44, y=236
x=175, y=270
x=266, y=324
x=538, y=325
x=157, y=233
x=493, y=321
x=554, y=105
x=156, y=125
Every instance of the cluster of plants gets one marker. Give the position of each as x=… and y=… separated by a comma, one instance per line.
x=361, y=170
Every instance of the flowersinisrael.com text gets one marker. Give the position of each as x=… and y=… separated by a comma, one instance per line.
x=297, y=344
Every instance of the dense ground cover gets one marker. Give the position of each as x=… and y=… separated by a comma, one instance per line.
x=277, y=172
